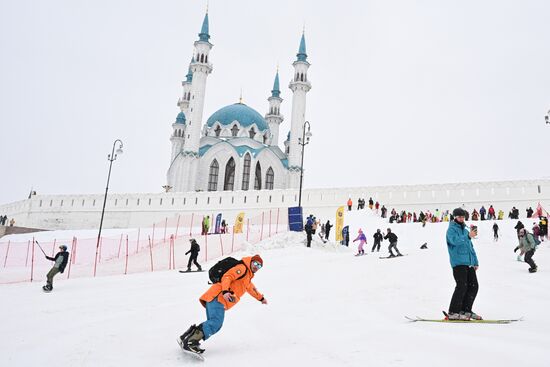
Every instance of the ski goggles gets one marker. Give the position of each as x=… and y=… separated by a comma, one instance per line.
x=257, y=264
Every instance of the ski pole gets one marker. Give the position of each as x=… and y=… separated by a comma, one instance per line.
x=41, y=248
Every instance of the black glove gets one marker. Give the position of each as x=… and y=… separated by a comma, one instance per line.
x=517, y=248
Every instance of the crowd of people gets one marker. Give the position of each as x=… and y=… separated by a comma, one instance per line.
x=4, y=221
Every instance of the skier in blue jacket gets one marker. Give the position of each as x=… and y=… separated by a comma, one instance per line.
x=464, y=263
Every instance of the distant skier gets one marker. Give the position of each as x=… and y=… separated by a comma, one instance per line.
x=464, y=262
x=194, y=251
x=377, y=240
x=61, y=259
x=527, y=245
x=362, y=240
x=495, y=231
x=328, y=226
x=371, y=203
x=220, y=297
x=392, y=237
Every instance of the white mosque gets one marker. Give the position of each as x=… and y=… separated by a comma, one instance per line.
x=237, y=148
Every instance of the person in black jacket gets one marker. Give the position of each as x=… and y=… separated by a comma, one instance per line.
x=377, y=240
x=328, y=226
x=194, y=250
x=393, y=243
x=61, y=259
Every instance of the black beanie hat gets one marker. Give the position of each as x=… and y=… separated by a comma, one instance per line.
x=459, y=212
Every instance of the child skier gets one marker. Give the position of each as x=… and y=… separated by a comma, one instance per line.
x=61, y=259
x=362, y=240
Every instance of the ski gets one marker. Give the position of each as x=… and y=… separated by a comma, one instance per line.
x=495, y=321
x=391, y=257
x=191, y=271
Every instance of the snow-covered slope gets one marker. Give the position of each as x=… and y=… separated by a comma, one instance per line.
x=326, y=308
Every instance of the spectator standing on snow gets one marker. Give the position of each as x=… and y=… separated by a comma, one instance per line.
x=495, y=231
x=392, y=237
x=482, y=212
x=362, y=240
x=309, y=229
x=500, y=214
x=350, y=204
x=377, y=240
x=60, y=262
x=194, y=251
x=491, y=213
x=328, y=226
x=529, y=212
x=527, y=245
x=376, y=207
x=384, y=210
x=464, y=262
x=371, y=203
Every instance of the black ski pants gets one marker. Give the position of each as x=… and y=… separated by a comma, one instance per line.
x=376, y=246
x=466, y=289
x=193, y=259
x=529, y=258
x=308, y=238
x=495, y=233
x=393, y=245
x=327, y=232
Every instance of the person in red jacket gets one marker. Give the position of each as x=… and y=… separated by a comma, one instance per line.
x=221, y=297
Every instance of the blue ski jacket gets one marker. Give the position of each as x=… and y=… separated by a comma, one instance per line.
x=461, y=249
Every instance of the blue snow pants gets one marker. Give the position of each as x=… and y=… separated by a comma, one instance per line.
x=214, y=318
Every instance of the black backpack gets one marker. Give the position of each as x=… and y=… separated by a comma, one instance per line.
x=217, y=271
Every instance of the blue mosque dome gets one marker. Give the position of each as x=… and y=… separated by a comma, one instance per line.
x=240, y=112
x=180, y=119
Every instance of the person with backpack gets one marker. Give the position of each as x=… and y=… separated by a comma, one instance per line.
x=392, y=237
x=61, y=259
x=377, y=240
x=362, y=240
x=464, y=262
x=231, y=278
x=527, y=245
x=194, y=251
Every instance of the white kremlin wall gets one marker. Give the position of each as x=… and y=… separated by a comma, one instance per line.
x=139, y=210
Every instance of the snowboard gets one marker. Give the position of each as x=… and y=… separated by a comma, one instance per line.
x=356, y=255
x=46, y=290
x=192, y=271
x=391, y=257
x=197, y=356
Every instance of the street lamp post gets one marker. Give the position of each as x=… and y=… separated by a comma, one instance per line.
x=111, y=157
x=303, y=141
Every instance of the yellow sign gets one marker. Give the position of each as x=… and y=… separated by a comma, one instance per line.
x=339, y=223
x=238, y=228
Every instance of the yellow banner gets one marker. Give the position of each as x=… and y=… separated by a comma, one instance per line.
x=339, y=223
x=238, y=228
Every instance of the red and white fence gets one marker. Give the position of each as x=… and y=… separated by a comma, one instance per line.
x=161, y=247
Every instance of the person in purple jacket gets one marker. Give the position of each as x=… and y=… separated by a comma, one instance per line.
x=362, y=240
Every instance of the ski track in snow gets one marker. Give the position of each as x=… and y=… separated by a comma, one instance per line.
x=326, y=308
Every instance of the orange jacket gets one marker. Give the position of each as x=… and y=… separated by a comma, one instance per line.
x=350, y=203
x=231, y=282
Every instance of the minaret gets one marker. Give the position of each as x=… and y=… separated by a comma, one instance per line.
x=274, y=117
x=200, y=68
x=299, y=85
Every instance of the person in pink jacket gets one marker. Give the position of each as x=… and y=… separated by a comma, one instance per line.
x=362, y=240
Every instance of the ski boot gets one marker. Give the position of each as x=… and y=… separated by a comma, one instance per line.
x=191, y=339
x=533, y=270
x=473, y=316
x=47, y=288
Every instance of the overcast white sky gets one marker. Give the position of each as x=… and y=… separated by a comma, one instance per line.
x=403, y=92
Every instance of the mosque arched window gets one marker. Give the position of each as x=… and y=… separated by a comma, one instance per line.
x=269, y=179
x=258, y=177
x=234, y=130
x=213, y=176
x=302, y=77
x=218, y=130
x=206, y=59
x=252, y=133
x=246, y=172
x=229, y=180
x=202, y=58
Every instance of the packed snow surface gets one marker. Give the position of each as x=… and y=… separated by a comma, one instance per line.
x=326, y=308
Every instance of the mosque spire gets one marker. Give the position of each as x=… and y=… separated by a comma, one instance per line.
x=276, y=91
x=302, y=55
x=204, y=35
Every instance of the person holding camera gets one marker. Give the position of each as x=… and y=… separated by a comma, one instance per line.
x=464, y=262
